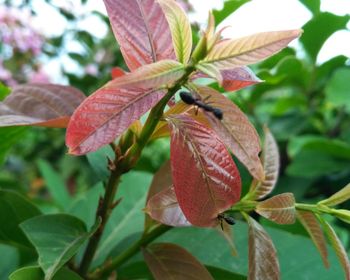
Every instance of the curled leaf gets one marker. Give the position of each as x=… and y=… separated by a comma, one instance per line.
x=338, y=197
x=170, y=261
x=312, y=226
x=279, y=208
x=237, y=78
x=40, y=105
x=104, y=116
x=205, y=178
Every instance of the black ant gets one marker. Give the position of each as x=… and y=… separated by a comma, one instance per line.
x=228, y=219
x=190, y=100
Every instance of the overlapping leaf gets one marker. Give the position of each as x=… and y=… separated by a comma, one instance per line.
x=338, y=197
x=312, y=226
x=104, y=116
x=163, y=207
x=271, y=163
x=279, y=208
x=40, y=104
x=170, y=261
x=150, y=76
x=251, y=49
x=237, y=78
x=263, y=262
x=141, y=30
x=338, y=248
x=205, y=178
x=211, y=71
x=235, y=130
x=180, y=29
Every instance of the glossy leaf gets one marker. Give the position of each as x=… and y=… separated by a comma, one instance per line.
x=164, y=208
x=235, y=130
x=312, y=226
x=271, y=163
x=15, y=209
x=35, y=273
x=251, y=49
x=238, y=78
x=40, y=104
x=338, y=248
x=338, y=197
x=170, y=261
x=56, y=238
x=263, y=262
x=279, y=208
x=205, y=178
x=141, y=30
x=163, y=72
x=180, y=29
x=105, y=115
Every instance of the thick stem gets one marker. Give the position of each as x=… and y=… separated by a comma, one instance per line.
x=112, y=264
x=103, y=212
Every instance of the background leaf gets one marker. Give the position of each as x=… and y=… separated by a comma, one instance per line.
x=337, y=91
x=229, y=7
x=338, y=197
x=35, y=273
x=9, y=136
x=170, y=261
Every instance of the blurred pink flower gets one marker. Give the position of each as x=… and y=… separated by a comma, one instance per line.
x=39, y=77
x=91, y=69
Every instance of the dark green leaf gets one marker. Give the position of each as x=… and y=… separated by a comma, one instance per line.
x=9, y=136
x=35, y=273
x=324, y=71
x=229, y=7
x=337, y=89
x=8, y=263
x=56, y=238
x=221, y=274
x=135, y=271
x=14, y=209
x=99, y=161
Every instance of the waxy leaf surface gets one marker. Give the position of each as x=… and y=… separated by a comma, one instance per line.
x=149, y=76
x=251, y=49
x=263, y=262
x=312, y=226
x=104, y=116
x=141, y=30
x=271, y=163
x=170, y=261
x=338, y=197
x=164, y=208
x=40, y=104
x=180, y=29
x=205, y=178
x=279, y=208
x=235, y=130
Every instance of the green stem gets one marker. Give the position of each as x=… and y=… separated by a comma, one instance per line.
x=244, y=206
x=111, y=265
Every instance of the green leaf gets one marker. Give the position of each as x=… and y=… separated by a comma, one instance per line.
x=313, y=39
x=9, y=136
x=229, y=7
x=56, y=238
x=134, y=271
x=313, y=5
x=221, y=274
x=35, y=273
x=4, y=91
x=99, y=160
x=15, y=209
x=338, y=197
x=55, y=184
x=337, y=89
x=10, y=262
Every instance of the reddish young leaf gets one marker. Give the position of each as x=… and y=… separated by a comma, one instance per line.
x=279, y=208
x=170, y=261
x=205, y=178
x=117, y=72
x=164, y=208
x=235, y=130
x=104, y=115
x=312, y=226
x=153, y=75
x=338, y=248
x=40, y=105
x=237, y=78
x=263, y=261
x=141, y=30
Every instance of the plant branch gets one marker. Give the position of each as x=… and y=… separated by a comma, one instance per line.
x=112, y=264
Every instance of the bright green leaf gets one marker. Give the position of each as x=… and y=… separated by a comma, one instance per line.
x=337, y=89
x=4, y=91
x=313, y=5
x=229, y=7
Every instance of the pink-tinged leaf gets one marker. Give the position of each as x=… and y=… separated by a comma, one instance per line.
x=211, y=71
x=271, y=163
x=117, y=72
x=312, y=226
x=235, y=130
x=251, y=49
x=164, y=208
x=237, y=78
x=205, y=178
x=338, y=248
x=180, y=29
x=170, y=261
x=153, y=75
x=141, y=30
x=280, y=208
x=40, y=105
x=337, y=198
x=263, y=261
x=104, y=116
